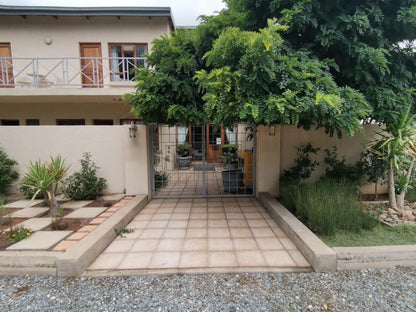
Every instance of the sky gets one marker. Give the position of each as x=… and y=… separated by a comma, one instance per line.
x=185, y=12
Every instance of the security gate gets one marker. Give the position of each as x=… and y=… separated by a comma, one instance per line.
x=203, y=161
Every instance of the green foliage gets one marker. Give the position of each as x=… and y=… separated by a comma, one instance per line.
x=18, y=233
x=338, y=169
x=327, y=206
x=184, y=149
x=4, y=218
x=85, y=184
x=7, y=174
x=230, y=153
x=304, y=166
x=123, y=231
x=373, y=166
x=30, y=192
x=161, y=179
x=257, y=78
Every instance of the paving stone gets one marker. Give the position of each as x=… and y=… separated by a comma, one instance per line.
x=42, y=240
x=31, y=212
x=65, y=245
x=77, y=236
x=90, y=212
x=36, y=224
x=98, y=220
x=87, y=228
x=113, y=196
x=75, y=204
x=23, y=203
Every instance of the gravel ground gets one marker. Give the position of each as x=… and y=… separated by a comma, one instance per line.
x=368, y=290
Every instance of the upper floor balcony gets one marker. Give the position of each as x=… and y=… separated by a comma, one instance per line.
x=68, y=72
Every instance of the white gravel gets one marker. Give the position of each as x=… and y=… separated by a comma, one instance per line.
x=368, y=290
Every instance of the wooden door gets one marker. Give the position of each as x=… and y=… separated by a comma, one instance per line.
x=91, y=65
x=6, y=68
x=215, y=138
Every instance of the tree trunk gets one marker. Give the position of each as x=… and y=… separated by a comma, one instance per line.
x=401, y=196
x=391, y=188
x=53, y=205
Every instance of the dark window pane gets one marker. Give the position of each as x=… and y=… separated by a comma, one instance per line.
x=9, y=122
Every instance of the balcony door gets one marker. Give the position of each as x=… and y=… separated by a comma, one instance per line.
x=91, y=65
x=6, y=68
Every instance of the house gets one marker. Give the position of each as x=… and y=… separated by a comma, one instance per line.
x=71, y=66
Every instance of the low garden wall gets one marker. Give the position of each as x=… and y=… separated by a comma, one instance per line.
x=123, y=160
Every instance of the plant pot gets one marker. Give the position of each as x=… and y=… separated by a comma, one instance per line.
x=231, y=166
x=184, y=162
x=232, y=180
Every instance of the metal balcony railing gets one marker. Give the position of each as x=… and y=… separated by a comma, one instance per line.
x=69, y=71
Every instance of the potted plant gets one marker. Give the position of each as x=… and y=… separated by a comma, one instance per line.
x=184, y=152
x=230, y=154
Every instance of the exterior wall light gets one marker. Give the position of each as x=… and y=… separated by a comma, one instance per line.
x=132, y=129
x=47, y=40
x=272, y=130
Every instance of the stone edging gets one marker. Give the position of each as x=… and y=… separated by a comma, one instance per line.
x=74, y=256
x=320, y=256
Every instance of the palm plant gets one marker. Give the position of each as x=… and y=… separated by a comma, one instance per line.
x=397, y=145
x=45, y=177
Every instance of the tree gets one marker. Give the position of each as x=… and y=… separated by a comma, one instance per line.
x=45, y=177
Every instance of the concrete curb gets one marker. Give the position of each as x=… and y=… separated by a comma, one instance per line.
x=77, y=259
x=320, y=256
x=376, y=257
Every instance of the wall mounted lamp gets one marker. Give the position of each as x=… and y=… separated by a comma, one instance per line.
x=132, y=129
x=272, y=130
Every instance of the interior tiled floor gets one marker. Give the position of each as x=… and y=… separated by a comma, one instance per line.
x=204, y=233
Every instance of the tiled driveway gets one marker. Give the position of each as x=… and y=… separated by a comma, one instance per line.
x=202, y=235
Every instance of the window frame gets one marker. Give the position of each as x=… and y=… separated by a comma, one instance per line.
x=121, y=74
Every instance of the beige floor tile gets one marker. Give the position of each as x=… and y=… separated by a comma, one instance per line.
x=287, y=243
x=197, y=223
x=218, y=233
x=164, y=210
x=136, y=260
x=217, y=223
x=240, y=232
x=257, y=223
x=174, y=233
x=107, y=261
x=165, y=260
x=182, y=210
x=235, y=215
x=195, y=244
x=218, y=209
x=143, y=217
x=250, y=258
x=157, y=224
x=148, y=210
x=245, y=244
x=152, y=233
x=269, y=243
x=198, y=216
x=253, y=215
x=278, y=258
x=168, y=205
x=170, y=244
x=238, y=223
x=196, y=233
x=194, y=259
x=216, y=216
x=177, y=224
x=232, y=209
x=145, y=245
x=219, y=259
x=137, y=224
x=220, y=244
x=161, y=216
x=262, y=232
x=298, y=258
x=279, y=232
x=119, y=246
x=133, y=235
x=198, y=210
x=180, y=216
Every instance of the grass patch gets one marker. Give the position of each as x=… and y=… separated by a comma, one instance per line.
x=380, y=235
x=327, y=206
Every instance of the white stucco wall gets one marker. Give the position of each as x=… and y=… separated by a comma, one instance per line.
x=123, y=160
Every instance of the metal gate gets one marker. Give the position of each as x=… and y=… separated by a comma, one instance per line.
x=203, y=161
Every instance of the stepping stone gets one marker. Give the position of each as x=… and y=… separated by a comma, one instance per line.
x=89, y=212
x=75, y=204
x=36, y=224
x=42, y=240
x=31, y=212
x=112, y=197
x=24, y=203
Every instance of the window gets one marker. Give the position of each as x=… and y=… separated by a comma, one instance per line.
x=103, y=122
x=32, y=122
x=125, y=58
x=70, y=122
x=9, y=122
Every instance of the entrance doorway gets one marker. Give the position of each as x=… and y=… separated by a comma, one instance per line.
x=202, y=161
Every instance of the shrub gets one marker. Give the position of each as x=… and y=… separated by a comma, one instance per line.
x=29, y=192
x=7, y=174
x=230, y=153
x=85, y=184
x=161, y=179
x=18, y=233
x=327, y=206
x=338, y=168
x=184, y=150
